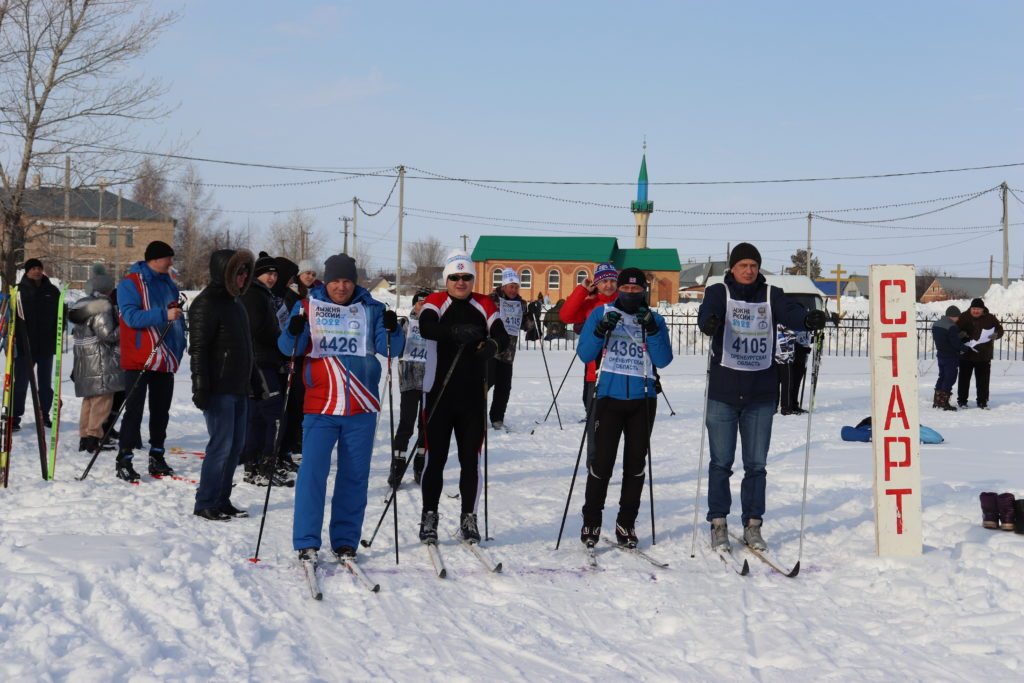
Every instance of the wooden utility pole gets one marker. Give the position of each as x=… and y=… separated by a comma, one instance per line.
x=345, y=219
x=839, y=272
x=464, y=238
x=65, y=232
x=401, y=213
x=990, y=259
x=355, y=212
x=807, y=264
x=1006, y=237
x=118, y=236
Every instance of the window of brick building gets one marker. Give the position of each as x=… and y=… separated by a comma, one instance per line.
x=525, y=278
x=496, y=278
x=581, y=275
x=553, y=278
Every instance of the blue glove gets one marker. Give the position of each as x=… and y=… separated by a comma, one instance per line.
x=608, y=323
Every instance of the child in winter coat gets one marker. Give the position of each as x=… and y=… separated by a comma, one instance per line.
x=97, y=365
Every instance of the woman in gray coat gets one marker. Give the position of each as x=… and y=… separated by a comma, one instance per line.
x=97, y=370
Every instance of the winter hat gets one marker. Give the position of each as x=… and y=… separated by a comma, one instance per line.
x=605, y=271
x=744, y=250
x=157, y=249
x=33, y=263
x=509, y=277
x=307, y=266
x=340, y=267
x=975, y=303
x=458, y=261
x=953, y=312
x=420, y=294
x=264, y=264
x=632, y=276
x=100, y=280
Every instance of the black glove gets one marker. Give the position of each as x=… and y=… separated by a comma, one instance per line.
x=816, y=320
x=711, y=325
x=468, y=333
x=645, y=318
x=296, y=324
x=398, y=467
x=390, y=320
x=488, y=350
x=835, y=319
x=608, y=323
x=200, y=399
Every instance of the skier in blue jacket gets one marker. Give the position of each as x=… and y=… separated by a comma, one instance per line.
x=740, y=315
x=632, y=339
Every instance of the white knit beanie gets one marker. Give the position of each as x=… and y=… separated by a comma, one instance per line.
x=458, y=261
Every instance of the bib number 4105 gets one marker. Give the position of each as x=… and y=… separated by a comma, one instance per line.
x=750, y=345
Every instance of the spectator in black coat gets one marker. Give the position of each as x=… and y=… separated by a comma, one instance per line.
x=978, y=360
x=220, y=349
x=37, y=317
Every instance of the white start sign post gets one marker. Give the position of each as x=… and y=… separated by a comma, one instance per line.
x=895, y=431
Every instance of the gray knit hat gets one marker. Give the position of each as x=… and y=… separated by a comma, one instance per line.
x=340, y=266
x=307, y=266
x=953, y=312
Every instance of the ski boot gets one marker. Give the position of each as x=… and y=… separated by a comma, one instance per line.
x=158, y=467
x=720, y=535
x=345, y=553
x=752, y=535
x=428, y=527
x=625, y=534
x=124, y=467
x=398, y=466
x=590, y=534
x=468, y=528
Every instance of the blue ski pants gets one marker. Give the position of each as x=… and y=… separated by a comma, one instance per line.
x=353, y=436
x=753, y=421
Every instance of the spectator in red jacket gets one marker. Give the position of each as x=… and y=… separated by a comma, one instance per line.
x=587, y=296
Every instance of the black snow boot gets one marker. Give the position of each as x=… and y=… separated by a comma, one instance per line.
x=989, y=510
x=1004, y=501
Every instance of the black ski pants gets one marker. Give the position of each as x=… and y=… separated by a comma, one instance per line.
x=265, y=419
x=500, y=377
x=982, y=371
x=409, y=417
x=460, y=411
x=160, y=387
x=615, y=417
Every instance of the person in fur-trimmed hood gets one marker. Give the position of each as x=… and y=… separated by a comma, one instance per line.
x=223, y=367
x=97, y=370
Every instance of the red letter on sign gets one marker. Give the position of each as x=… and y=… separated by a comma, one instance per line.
x=899, y=493
x=896, y=408
x=889, y=462
x=895, y=356
x=881, y=291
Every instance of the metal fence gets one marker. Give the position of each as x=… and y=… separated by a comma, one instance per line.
x=849, y=338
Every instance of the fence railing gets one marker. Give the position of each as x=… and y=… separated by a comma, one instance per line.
x=849, y=338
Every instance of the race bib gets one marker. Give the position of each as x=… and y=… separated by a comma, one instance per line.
x=749, y=333
x=337, y=330
x=511, y=316
x=625, y=348
x=415, y=345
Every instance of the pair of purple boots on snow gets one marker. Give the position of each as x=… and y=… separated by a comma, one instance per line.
x=997, y=511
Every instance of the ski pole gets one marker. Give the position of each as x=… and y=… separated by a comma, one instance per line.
x=650, y=428
x=391, y=418
x=277, y=442
x=579, y=455
x=657, y=383
x=815, y=365
x=419, y=440
x=700, y=456
x=135, y=384
x=561, y=384
x=551, y=385
x=487, y=535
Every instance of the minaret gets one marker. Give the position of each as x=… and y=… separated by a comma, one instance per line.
x=642, y=208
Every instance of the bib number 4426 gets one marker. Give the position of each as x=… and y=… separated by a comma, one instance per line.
x=339, y=345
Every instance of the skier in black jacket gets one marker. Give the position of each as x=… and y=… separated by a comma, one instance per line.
x=467, y=332
x=37, y=313
x=220, y=350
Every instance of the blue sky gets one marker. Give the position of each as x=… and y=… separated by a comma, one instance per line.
x=567, y=91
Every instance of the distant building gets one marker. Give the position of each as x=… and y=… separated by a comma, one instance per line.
x=849, y=288
x=95, y=231
x=554, y=266
x=693, y=278
x=946, y=287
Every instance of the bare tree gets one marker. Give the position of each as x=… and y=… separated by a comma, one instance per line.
x=151, y=188
x=198, y=229
x=65, y=88
x=427, y=260
x=294, y=238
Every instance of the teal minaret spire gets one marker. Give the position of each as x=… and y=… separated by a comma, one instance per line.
x=642, y=207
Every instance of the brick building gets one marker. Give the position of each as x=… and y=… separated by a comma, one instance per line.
x=95, y=232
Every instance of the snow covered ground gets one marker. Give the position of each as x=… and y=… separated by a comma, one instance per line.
x=106, y=581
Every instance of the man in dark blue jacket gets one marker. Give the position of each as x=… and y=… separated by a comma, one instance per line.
x=634, y=341
x=949, y=344
x=740, y=315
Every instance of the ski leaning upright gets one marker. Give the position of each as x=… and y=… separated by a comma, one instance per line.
x=6, y=411
x=58, y=354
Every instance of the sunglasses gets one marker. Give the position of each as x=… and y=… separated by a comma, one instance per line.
x=460, y=278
